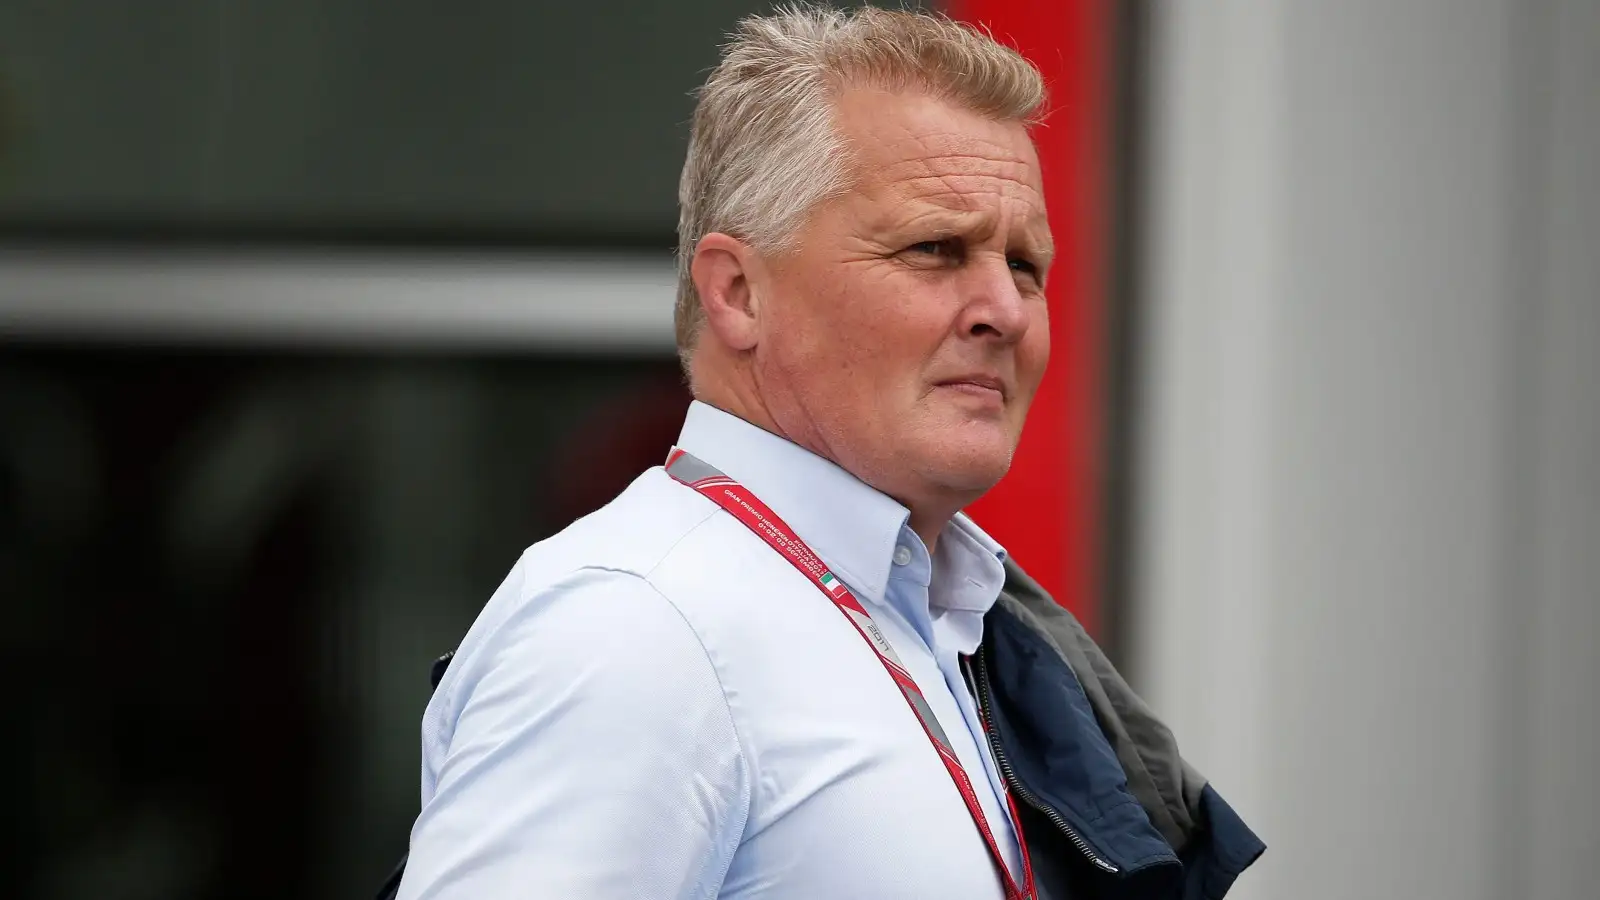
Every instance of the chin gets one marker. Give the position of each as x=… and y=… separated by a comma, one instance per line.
x=969, y=466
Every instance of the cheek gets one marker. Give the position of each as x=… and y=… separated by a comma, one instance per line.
x=856, y=338
x=815, y=340
x=1033, y=353
x=843, y=326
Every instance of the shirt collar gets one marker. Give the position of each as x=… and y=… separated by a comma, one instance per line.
x=974, y=564
x=853, y=527
x=972, y=574
x=944, y=597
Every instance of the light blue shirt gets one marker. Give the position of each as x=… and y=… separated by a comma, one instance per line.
x=656, y=704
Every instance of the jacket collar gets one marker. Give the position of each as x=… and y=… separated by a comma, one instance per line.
x=1096, y=752
x=1058, y=752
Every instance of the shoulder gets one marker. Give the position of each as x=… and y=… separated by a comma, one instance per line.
x=676, y=551
x=586, y=722
x=593, y=625
x=611, y=600
x=610, y=553
x=633, y=533
x=597, y=658
x=660, y=598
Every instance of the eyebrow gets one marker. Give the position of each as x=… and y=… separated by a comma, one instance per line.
x=1038, y=241
x=941, y=221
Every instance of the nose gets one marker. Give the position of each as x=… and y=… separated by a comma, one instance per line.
x=995, y=308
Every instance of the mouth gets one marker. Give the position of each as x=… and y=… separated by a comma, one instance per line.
x=977, y=384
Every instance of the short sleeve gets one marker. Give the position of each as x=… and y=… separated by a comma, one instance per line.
x=592, y=755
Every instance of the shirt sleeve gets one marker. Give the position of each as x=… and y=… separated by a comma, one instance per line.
x=593, y=755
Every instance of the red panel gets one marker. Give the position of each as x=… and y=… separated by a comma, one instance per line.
x=1044, y=512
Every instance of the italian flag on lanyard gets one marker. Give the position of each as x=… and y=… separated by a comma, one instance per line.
x=834, y=585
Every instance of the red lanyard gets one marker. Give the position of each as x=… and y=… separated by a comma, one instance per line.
x=737, y=499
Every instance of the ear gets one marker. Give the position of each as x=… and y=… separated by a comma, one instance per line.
x=722, y=270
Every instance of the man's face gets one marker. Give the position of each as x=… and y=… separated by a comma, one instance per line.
x=905, y=335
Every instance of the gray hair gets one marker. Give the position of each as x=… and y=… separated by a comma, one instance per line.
x=763, y=149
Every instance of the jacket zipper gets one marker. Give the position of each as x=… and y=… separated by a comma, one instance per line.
x=1010, y=776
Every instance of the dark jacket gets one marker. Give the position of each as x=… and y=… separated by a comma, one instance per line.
x=1110, y=811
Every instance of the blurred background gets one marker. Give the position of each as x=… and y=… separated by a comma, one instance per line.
x=314, y=314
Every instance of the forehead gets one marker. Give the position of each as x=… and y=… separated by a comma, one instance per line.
x=912, y=143
x=916, y=150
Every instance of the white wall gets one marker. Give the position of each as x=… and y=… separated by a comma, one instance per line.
x=1371, y=555
x=594, y=302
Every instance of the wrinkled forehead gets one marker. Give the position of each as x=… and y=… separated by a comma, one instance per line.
x=915, y=157
x=895, y=140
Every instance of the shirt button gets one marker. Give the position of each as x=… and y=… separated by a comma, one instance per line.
x=902, y=555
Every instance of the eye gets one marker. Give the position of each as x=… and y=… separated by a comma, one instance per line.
x=947, y=247
x=1018, y=264
x=1024, y=268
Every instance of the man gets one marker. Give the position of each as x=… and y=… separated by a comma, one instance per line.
x=781, y=666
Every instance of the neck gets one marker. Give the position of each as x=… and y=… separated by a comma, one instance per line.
x=737, y=396
x=928, y=527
